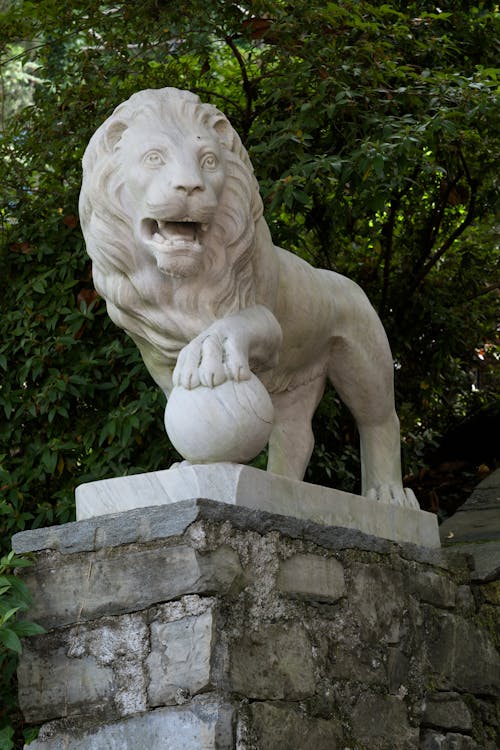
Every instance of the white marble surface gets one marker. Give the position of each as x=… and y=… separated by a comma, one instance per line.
x=230, y=422
x=173, y=221
x=243, y=485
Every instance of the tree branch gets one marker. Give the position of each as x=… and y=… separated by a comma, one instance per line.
x=448, y=242
x=486, y=290
x=434, y=259
x=388, y=234
x=247, y=85
x=439, y=213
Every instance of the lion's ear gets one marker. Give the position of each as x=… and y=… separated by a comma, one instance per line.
x=114, y=132
x=225, y=132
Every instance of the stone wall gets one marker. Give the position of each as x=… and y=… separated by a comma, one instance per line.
x=202, y=626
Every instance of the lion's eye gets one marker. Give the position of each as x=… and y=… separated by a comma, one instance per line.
x=154, y=159
x=209, y=161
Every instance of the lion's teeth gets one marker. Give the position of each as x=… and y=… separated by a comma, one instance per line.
x=158, y=238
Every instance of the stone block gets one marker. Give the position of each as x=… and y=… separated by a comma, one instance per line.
x=85, y=669
x=278, y=725
x=152, y=639
x=380, y=722
x=358, y=665
x=161, y=522
x=491, y=592
x=462, y=656
x=478, y=518
x=447, y=711
x=436, y=741
x=142, y=525
x=311, y=577
x=69, y=589
x=57, y=686
x=273, y=663
x=179, y=664
x=398, y=666
x=485, y=558
x=377, y=595
x=475, y=528
x=199, y=726
x=433, y=588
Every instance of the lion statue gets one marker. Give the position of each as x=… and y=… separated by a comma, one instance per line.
x=173, y=221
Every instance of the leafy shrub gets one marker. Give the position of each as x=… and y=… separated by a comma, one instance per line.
x=14, y=599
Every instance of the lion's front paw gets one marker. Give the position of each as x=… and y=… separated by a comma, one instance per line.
x=394, y=495
x=209, y=360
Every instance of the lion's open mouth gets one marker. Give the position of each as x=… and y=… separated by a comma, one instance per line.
x=172, y=236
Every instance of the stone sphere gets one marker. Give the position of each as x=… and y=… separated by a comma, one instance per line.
x=230, y=422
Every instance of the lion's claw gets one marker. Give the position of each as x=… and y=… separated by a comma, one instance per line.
x=236, y=364
x=209, y=360
x=393, y=494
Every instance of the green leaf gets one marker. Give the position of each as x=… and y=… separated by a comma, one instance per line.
x=5, y=583
x=10, y=640
x=16, y=562
x=6, y=737
x=25, y=628
x=30, y=734
x=9, y=614
x=378, y=166
x=39, y=286
x=7, y=559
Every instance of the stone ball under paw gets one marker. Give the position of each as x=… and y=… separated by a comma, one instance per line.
x=230, y=422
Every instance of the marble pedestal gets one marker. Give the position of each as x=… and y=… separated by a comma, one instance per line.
x=245, y=486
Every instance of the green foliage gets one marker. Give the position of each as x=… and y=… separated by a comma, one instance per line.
x=14, y=599
x=373, y=129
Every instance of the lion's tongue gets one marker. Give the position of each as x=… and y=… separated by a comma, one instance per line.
x=184, y=230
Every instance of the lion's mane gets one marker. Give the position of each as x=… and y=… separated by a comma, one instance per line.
x=227, y=270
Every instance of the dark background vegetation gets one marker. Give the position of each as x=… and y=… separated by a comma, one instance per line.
x=373, y=129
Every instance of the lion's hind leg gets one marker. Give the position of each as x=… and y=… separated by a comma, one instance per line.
x=362, y=372
x=381, y=463
x=292, y=440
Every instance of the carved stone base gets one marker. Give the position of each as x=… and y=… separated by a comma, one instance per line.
x=240, y=485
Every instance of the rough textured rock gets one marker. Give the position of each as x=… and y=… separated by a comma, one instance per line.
x=447, y=711
x=244, y=631
x=159, y=523
x=273, y=663
x=381, y=722
x=278, y=725
x=201, y=726
x=434, y=588
x=125, y=579
x=376, y=593
x=311, y=577
x=180, y=660
x=463, y=656
x=475, y=528
x=451, y=741
x=89, y=667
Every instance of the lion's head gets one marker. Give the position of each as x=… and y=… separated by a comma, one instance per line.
x=169, y=206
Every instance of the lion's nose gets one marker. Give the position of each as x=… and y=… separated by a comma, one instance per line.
x=186, y=178
x=188, y=185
